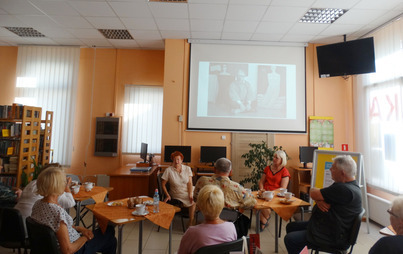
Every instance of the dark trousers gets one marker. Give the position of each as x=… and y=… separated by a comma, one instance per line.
x=296, y=240
x=102, y=242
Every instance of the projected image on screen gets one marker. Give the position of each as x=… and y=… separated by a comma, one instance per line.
x=244, y=90
x=247, y=88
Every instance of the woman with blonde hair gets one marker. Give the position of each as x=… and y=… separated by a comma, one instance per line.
x=51, y=184
x=274, y=177
x=213, y=230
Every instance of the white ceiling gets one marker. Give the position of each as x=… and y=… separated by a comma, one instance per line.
x=75, y=22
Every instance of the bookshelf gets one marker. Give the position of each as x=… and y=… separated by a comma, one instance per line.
x=19, y=142
x=45, y=138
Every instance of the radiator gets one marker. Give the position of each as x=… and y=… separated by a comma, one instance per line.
x=377, y=209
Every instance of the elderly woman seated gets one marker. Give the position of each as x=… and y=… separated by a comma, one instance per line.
x=213, y=230
x=51, y=184
x=392, y=244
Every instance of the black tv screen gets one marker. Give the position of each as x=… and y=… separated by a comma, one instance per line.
x=185, y=150
x=143, y=151
x=306, y=154
x=346, y=58
x=210, y=154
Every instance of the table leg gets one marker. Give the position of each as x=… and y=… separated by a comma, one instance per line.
x=170, y=238
x=78, y=213
x=257, y=222
x=120, y=233
x=276, y=234
x=140, y=237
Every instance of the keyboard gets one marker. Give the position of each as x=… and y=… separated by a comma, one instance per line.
x=140, y=169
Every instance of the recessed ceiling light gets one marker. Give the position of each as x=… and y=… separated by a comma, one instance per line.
x=117, y=34
x=322, y=16
x=25, y=31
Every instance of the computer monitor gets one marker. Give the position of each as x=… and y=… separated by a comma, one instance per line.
x=185, y=150
x=210, y=154
x=143, y=152
x=306, y=154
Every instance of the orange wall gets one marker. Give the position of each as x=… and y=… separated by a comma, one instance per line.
x=104, y=72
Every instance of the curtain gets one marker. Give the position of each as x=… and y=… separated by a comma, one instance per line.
x=378, y=107
x=47, y=78
x=142, y=121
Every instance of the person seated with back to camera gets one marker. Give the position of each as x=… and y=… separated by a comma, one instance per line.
x=180, y=182
x=235, y=195
x=51, y=184
x=274, y=177
x=213, y=230
x=392, y=244
x=337, y=206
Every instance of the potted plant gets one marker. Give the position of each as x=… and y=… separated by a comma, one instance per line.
x=37, y=169
x=257, y=159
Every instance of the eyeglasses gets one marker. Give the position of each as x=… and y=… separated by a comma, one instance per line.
x=391, y=213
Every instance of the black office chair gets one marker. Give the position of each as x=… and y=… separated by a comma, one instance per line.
x=12, y=231
x=184, y=213
x=352, y=239
x=42, y=238
x=223, y=248
x=84, y=210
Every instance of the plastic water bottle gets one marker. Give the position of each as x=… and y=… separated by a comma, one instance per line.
x=156, y=202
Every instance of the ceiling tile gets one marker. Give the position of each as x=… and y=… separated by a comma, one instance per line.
x=359, y=16
x=169, y=10
x=273, y=27
x=98, y=43
x=166, y=34
x=72, y=22
x=55, y=32
x=55, y=8
x=309, y=29
x=19, y=7
x=126, y=9
x=9, y=20
x=342, y=4
x=207, y=11
x=41, y=41
x=173, y=24
x=376, y=4
x=284, y=14
x=236, y=36
x=297, y=38
x=337, y=29
x=266, y=37
x=145, y=35
x=252, y=2
x=208, y=1
x=151, y=44
x=93, y=9
x=206, y=25
x=6, y=33
x=106, y=22
x=37, y=20
x=86, y=33
x=206, y=35
x=68, y=42
x=239, y=26
x=124, y=43
x=245, y=12
x=139, y=23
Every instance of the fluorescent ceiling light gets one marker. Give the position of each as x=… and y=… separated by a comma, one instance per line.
x=322, y=16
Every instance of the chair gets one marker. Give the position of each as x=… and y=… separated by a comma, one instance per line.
x=84, y=210
x=223, y=248
x=12, y=231
x=42, y=238
x=352, y=238
x=184, y=213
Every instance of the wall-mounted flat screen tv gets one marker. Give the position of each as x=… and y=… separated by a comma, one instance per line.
x=210, y=154
x=185, y=150
x=346, y=58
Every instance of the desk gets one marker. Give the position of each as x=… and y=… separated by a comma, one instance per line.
x=121, y=215
x=302, y=180
x=284, y=210
x=131, y=184
x=97, y=193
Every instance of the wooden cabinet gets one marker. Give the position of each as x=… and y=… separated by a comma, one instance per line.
x=301, y=180
x=46, y=138
x=19, y=142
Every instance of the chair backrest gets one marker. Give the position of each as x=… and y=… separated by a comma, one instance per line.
x=160, y=190
x=12, y=229
x=356, y=228
x=74, y=177
x=222, y=248
x=42, y=238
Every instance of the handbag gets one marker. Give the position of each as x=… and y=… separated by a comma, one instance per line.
x=242, y=225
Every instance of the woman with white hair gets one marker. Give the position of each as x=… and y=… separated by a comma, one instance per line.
x=213, y=230
x=392, y=244
x=274, y=177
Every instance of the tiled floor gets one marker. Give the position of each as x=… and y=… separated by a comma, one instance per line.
x=157, y=242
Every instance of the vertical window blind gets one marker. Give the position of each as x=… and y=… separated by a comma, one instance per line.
x=142, y=121
x=379, y=112
x=47, y=78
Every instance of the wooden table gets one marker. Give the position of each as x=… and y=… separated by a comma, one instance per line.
x=121, y=215
x=131, y=184
x=97, y=193
x=285, y=211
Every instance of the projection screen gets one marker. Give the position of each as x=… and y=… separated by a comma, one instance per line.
x=247, y=88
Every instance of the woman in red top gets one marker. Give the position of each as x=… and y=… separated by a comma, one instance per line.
x=274, y=177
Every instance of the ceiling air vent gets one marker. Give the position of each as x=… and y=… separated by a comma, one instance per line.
x=116, y=34
x=25, y=31
x=169, y=1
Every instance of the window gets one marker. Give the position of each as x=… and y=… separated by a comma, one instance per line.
x=47, y=78
x=379, y=113
x=142, y=121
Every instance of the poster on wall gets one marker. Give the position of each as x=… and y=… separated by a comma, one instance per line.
x=321, y=132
